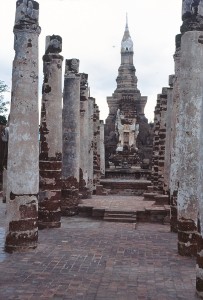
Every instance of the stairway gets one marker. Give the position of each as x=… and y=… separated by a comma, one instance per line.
x=120, y=216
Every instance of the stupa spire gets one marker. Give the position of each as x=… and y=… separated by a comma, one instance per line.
x=126, y=26
x=127, y=43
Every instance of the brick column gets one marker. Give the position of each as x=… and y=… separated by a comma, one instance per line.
x=155, y=156
x=175, y=155
x=50, y=163
x=71, y=139
x=23, y=147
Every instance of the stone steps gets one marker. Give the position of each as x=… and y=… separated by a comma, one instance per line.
x=120, y=216
x=125, y=187
x=149, y=196
x=161, y=199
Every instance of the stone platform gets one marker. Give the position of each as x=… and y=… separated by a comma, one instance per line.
x=130, y=173
x=99, y=207
x=127, y=187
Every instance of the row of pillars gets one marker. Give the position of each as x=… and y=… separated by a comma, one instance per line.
x=47, y=177
x=178, y=139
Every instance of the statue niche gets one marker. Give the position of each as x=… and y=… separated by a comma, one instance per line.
x=127, y=131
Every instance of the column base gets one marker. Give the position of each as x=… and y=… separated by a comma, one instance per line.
x=22, y=242
x=25, y=248
x=174, y=219
x=49, y=214
x=69, y=202
x=187, y=238
x=199, y=266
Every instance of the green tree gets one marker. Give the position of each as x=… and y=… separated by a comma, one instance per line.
x=3, y=103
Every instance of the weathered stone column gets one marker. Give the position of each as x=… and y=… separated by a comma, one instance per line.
x=91, y=102
x=71, y=138
x=162, y=138
x=199, y=263
x=96, y=149
x=167, y=159
x=102, y=149
x=84, y=137
x=175, y=133
x=4, y=144
x=23, y=147
x=191, y=95
x=50, y=159
x=155, y=156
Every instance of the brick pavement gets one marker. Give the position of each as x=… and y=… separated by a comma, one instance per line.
x=97, y=260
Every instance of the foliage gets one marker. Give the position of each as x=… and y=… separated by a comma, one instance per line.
x=3, y=103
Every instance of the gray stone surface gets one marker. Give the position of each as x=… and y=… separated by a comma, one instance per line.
x=192, y=15
x=175, y=133
x=91, y=102
x=23, y=147
x=199, y=266
x=84, y=136
x=167, y=158
x=71, y=138
x=102, y=149
x=191, y=91
x=96, y=147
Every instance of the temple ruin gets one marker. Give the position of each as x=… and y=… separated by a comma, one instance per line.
x=128, y=137
x=69, y=161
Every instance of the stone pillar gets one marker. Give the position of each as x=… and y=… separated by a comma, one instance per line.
x=71, y=139
x=4, y=185
x=96, y=149
x=175, y=132
x=91, y=102
x=191, y=92
x=155, y=157
x=162, y=138
x=4, y=152
x=84, y=137
x=23, y=147
x=199, y=262
x=159, y=142
x=167, y=159
x=102, y=149
x=50, y=159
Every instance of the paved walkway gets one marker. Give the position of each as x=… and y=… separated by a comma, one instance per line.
x=97, y=260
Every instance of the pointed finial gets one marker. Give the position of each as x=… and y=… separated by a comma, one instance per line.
x=126, y=20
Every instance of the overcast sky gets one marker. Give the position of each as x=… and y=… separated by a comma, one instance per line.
x=92, y=31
